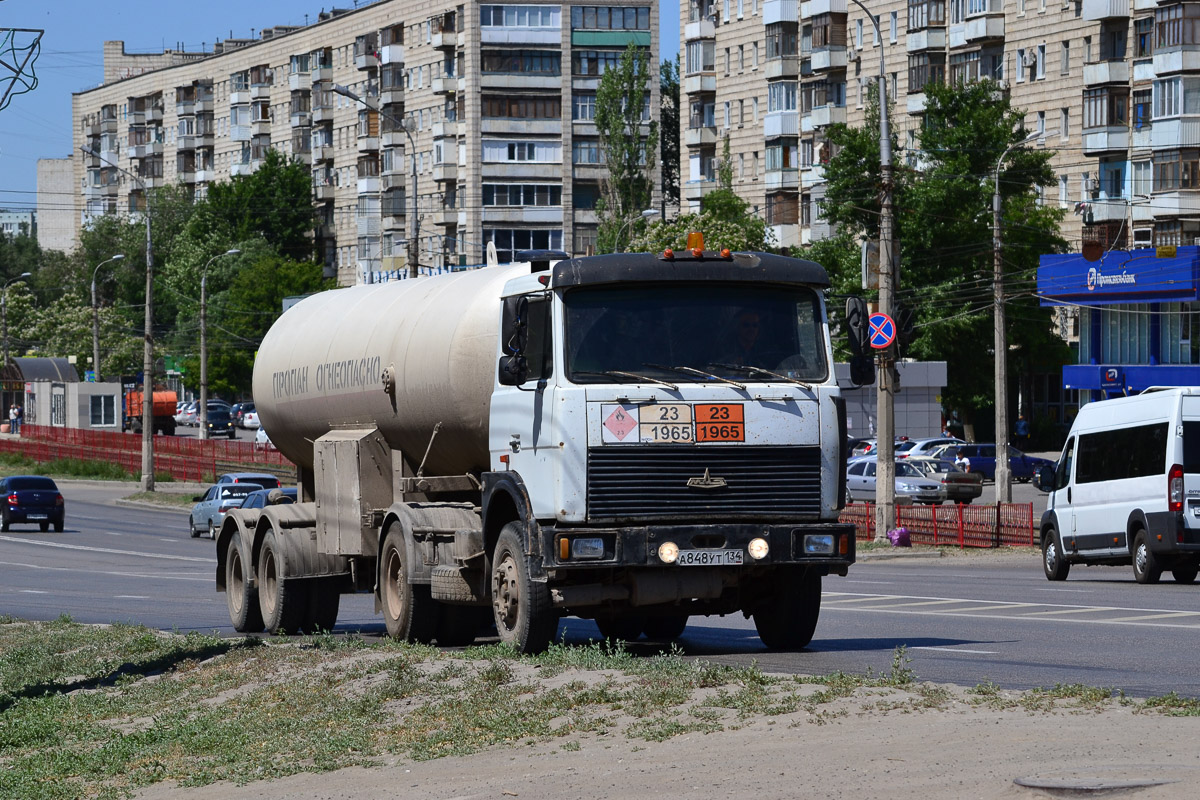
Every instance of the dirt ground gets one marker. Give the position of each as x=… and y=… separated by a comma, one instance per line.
x=877, y=744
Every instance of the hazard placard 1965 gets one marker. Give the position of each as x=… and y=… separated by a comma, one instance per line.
x=720, y=422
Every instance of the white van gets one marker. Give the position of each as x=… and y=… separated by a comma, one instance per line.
x=1126, y=488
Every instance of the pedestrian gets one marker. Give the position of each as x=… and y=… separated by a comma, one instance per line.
x=1021, y=433
x=962, y=462
x=20, y=418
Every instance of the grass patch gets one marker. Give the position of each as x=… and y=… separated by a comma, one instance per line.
x=18, y=464
x=102, y=711
x=169, y=499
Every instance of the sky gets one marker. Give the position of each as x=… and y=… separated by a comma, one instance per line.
x=38, y=124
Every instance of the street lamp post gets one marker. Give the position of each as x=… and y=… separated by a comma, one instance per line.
x=204, y=341
x=147, y=482
x=4, y=309
x=618, y=246
x=346, y=91
x=1003, y=470
x=96, y=316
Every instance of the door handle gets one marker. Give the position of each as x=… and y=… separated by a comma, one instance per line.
x=1068, y=494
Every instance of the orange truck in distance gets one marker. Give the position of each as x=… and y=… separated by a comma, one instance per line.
x=164, y=412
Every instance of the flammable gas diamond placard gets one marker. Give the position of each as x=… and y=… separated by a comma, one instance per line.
x=619, y=422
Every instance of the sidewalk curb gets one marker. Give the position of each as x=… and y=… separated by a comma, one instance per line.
x=121, y=501
x=888, y=555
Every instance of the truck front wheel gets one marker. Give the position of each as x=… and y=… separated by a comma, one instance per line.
x=409, y=610
x=787, y=618
x=525, y=617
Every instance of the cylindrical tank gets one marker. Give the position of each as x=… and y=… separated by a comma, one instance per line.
x=321, y=364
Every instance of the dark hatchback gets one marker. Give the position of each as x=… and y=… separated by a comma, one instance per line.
x=220, y=423
x=31, y=499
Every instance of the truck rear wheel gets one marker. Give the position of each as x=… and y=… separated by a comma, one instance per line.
x=787, y=618
x=666, y=628
x=282, y=602
x=458, y=625
x=324, y=601
x=621, y=628
x=240, y=596
x=525, y=617
x=409, y=611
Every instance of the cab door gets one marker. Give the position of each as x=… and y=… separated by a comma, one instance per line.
x=1061, y=499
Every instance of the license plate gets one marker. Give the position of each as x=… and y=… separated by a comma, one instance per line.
x=1196, y=510
x=38, y=516
x=709, y=558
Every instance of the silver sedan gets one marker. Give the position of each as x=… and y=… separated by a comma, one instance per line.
x=910, y=482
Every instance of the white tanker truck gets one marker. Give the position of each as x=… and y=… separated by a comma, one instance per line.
x=632, y=438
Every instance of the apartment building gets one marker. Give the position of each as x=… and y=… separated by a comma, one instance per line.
x=492, y=103
x=1111, y=85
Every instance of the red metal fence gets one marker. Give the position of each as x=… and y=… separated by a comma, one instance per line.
x=183, y=458
x=962, y=525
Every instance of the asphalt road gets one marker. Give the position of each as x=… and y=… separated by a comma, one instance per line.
x=964, y=620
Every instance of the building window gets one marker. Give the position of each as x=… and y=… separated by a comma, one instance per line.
x=522, y=194
x=596, y=62
x=528, y=62
x=1143, y=37
x=509, y=241
x=616, y=18
x=1176, y=169
x=894, y=24
x=1177, y=25
x=103, y=410
x=521, y=16
x=1063, y=191
x=700, y=56
x=781, y=96
x=586, y=151
x=781, y=40
x=1142, y=179
x=583, y=107
x=1064, y=123
x=964, y=67
x=924, y=69
x=520, y=107
x=1064, y=64
x=1040, y=73
x=926, y=14
x=1104, y=107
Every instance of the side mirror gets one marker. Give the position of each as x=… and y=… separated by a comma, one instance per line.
x=514, y=337
x=856, y=326
x=862, y=370
x=1044, y=479
x=514, y=370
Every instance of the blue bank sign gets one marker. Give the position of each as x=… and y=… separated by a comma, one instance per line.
x=1121, y=276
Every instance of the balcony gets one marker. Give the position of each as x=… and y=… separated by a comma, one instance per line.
x=1102, y=72
x=205, y=175
x=368, y=60
x=108, y=125
x=91, y=129
x=523, y=214
x=1185, y=59
x=392, y=96
x=516, y=80
x=446, y=172
x=322, y=152
x=324, y=192
x=260, y=127
x=1176, y=204
x=915, y=103
x=704, y=29
x=1106, y=209
x=239, y=133
x=446, y=217
x=321, y=74
x=186, y=175
x=322, y=114
x=444, y=85
x=368, y=144
x=985, y=27
x=516, y=127
x=1167, y=134
x=301, y=119
x=191, y=142
x=110, y=157
x=926, y=39
x=184, y=108
x=145, y=150
x=300, y=81
x=783, y=123
x=824, y=59
x=495, y=34
x=446, y=40
x=786, y=67
x=782, y=179
x=260, y=91
x=367, y=225
x=789, y=10
x=1098, y=141
x=812, y=176
x=787, y=235
x=824, y=116
x=370, y=185
x=1106, y=9
x=445, y=129
x=392, y=54
x=239, y=97
x=694, y=190
x=702, y=136
x=589, y=172
x=700, y=83
x=243, y=169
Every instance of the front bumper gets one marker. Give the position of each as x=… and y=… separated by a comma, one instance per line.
x=633, y=547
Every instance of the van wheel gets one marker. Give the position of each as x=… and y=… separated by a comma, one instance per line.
x=1185, y=574
x=1145, y=565
x=1053, y=563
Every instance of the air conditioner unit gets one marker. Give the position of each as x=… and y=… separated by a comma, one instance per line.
x=1093, y=186
x=852, y=54
x=1002, y=85
x=1029, y=59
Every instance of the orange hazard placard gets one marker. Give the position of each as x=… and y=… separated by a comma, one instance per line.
x=723, y=422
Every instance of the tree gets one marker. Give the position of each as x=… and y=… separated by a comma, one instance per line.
x=946, y=233
x=668, y=83
x=629, y=143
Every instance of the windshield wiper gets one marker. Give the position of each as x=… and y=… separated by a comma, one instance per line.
x=616, y=373
x=760, y=371
x=700, y=372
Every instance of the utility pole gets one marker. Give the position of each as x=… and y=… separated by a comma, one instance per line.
x=204, y=341
x=885, y=391
x=96, y=317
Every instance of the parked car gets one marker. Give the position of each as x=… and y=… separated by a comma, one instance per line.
x=264, y=480
x=261, y=440
x=189, y=414
x=983, y=461
x=240, y=410
x=211, y=506
x=910, y=482
x=250, y=419
x=220, y=423
x=960, y=486
x=267, y=497
x=32, y=498
x=924, y=447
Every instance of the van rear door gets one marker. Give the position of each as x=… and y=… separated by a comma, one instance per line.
x=1190, y=459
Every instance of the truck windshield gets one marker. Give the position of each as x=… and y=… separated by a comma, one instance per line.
x=694, y=334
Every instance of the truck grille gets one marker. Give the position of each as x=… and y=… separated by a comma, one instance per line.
x=651, y=483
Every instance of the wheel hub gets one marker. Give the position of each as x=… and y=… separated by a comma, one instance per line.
x=391, y=585
x=1140, y=558
x=1051, y=556
x=506, y=596
x=236, y=581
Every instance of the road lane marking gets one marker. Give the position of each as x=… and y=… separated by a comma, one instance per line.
x=32, y=591
x=131, y=597
x=107, y=550
x=201, y=577
x=956, y=650
x=1168, y=615
x=1074, y=611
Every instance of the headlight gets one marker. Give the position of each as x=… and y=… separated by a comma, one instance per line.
x=668, y=552
x=818, y=543
x=907, y=487
x=758, y=549
x=587, y=548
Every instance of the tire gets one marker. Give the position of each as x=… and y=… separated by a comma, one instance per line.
x=525, y=618
x=212, y=530
x=1146, y=568
x=1186, y=574
x=458, y=625
x=4, y=523
x=1053, y=563
x=667, y=628
x=241, y=596
x=324, y=603
x=620, y=628
x=45, y=526
x=58, y=526
x=282, y=602
x=409, y=610
x=192, y=528
x=787, y=619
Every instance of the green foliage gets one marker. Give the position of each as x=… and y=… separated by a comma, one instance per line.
x=668, y=83
x=629, y=144
x=726, y=221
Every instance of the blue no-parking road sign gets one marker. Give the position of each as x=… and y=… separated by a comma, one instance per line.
x=882, y=331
